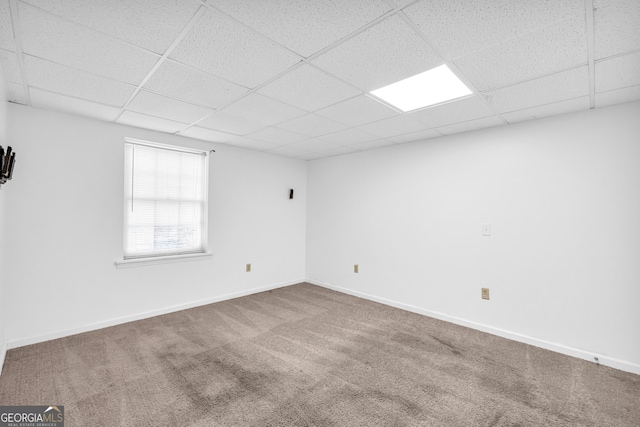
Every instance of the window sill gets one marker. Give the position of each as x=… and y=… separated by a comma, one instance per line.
x=139, y=262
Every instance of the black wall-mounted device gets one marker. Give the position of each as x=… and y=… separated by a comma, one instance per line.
x=7, y=160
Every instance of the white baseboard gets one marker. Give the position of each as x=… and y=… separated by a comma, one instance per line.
x=20, y=342
x=622, y=365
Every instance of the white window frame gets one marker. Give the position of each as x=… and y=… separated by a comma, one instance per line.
x=179, y=257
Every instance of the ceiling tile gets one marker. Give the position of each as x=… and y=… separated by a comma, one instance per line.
x=251, y=144
x=338, y=151
x=471, y=125
x=222, y=47
x=385, y=53
x=415, y=136
x=193, y=86
x=618, y=96
x=10, y=66
x=311, y=156
x=6, y=28
x=262, y=109
x=556, y=87
x=316, y=145
x=163, y=19
x=557, y=47
x=229, y=123
x=167, y=108
x=393, y=126
x=312, y=125
x=207, y=134
x=15, y=93
x=304, y=26
x=618, y=72
x=308, y=88
x=50, y=37
x=459, y=27
x=56, y=102
x=369, y=145
x=348, y=137
x=453, y=112
x=357, y=111
x=276, y=136
x=148, y=122
x=616, y=27
x=289, y=151
x=566, y=106
x=79, y=84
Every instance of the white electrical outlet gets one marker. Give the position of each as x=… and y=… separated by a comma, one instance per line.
x=486, y=229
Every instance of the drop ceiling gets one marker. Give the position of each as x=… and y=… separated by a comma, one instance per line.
x=292, y=77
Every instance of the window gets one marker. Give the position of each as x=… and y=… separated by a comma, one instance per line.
x=165, y=200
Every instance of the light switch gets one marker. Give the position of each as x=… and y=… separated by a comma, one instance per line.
x=486, y=229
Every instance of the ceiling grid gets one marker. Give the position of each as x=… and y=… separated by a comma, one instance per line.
x=292, y=77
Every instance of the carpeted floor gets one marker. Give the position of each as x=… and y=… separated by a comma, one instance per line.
x=305, y=355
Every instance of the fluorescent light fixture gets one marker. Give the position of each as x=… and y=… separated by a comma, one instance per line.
x=431, y=87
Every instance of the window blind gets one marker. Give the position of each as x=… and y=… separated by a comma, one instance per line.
x=165, y=201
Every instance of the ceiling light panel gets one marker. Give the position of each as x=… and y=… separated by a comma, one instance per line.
x=393, y=126
x=618, y=72
x=193, y=86
x=152, y=24
x=554, y=48
x=460, y=27
x=427, y=88
x=308, y=88
x=207, y=134
x=67, y=104
x=304, y=26
x=167, y=108
x=148, y=122
x=6, y=29
x=556, y=87
x=618, y=96
x=79, y=84
x=10, y=66
x=616, y=27
x=312, y=125
x=385, y=53
x=51, y=37
x=262, y=109
x=561, y=107
x=470, y=125
x=220, y=46
x=229, y=123
x=452, y=112
x=357, y=111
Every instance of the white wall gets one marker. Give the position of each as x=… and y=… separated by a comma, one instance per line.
x=562, y=195
x=65, y=216
x=3, y=189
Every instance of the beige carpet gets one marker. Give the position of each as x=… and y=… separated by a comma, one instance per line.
x=304, y=355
